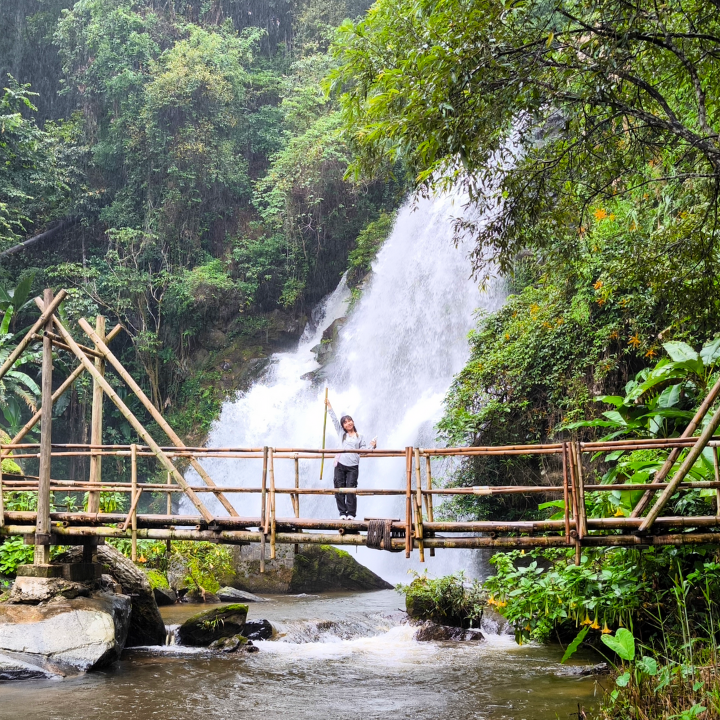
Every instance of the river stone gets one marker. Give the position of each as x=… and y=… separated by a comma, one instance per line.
x=13, y=668
x=232, y=644
x=81, y=634
x=430, y=631
x=34, y=590
x=146, y=623
x=316, y=568
x=210, y=625
x=164, y=596
x=231, y=594
x=258, y=630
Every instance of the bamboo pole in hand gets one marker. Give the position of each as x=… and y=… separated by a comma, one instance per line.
x=156, y=415
x=322, y=462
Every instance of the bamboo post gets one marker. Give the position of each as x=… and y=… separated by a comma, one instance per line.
x=419, y=529
x=136, y=424
x=2, y=500
x=74, y=375
x=566, y=499
x=263, y=509
x=273, y=527
x=408, y=501
x=168, y=545
x=46, y=312
x=675, y=452
x=42, y=528
x=296, y=497
x=96, y=423
x=429, y=497
x=133, y=509
x=578, y=528
x=679, y=476
x=156, y=415
x=582, y=510
x=322, y=462
x=716, y=469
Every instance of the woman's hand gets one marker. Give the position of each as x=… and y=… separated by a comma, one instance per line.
x=373, y=443
x=327, y=402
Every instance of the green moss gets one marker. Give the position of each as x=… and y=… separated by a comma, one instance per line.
x=10, y=467
x=337, y=551
x=156, y=579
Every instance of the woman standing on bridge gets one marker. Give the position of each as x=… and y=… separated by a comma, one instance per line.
x=347, y=464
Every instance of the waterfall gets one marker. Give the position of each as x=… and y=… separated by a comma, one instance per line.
x=393, y=364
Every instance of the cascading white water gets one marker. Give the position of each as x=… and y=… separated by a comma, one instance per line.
x=394, y=363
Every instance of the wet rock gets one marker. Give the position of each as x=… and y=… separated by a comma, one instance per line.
x=146, y=624
x=214, y=340
x=200, y=596
x=32, y=590
x=204, y=628
x=164, y=596
x=82, y=634
x=316, y=568
x=235, y=643
x=13, y=668
x=583, y=670
x=258, y=630
x=231, y=594
x=430, y=631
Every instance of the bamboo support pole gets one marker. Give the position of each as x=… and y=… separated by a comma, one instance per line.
x=675, y=453
x=575, y=514
x=168, y=546
x=566, y=500
x=155, y=414
x=136, y=424
x=296, y=497
x=132, y=516
x=428, y=496
x=273, y=526
x=42, y=321
x=716, y=470
x=684, y=469
x=408, y=501
x=263, y=508
x=96, y=422
x=42, y=549
x=582, y=510
x=2, y=499
x=74, y=375
x=419, y=530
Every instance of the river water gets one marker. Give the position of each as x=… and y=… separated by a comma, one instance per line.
x=340, y=656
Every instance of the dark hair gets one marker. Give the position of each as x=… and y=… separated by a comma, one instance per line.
x=342, y=424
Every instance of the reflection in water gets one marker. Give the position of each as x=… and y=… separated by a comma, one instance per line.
x=361, y=663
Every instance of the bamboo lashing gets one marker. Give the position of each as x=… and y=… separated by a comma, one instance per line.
x=136, y=424
x=155, y=414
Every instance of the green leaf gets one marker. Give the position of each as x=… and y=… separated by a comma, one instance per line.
x=575, y=644
x=615, y=400
x=623, y=679
x=680, y=351
x=622, y=643
x=22, y=290
x=648, y=665
x=710, y=354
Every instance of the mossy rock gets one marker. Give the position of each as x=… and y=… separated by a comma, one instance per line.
x=10, y=467
x=320, y=568
x=156, y=578
x=206, y=627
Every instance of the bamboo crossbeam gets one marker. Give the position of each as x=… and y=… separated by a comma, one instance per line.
x=45, y=313
x=154, y=413
x=57, y=342
x=128, y=415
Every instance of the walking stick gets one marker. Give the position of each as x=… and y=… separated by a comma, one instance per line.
x=322, y=462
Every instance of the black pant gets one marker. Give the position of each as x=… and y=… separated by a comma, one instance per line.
x=346, y=476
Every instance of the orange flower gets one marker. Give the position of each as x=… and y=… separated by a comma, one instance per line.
x=598, y=284
x=600, y=301
x=142, y=559
x=534, y=308
x=614, y=335
x=600, y=214
x=635, y=341
x=633, y=225
x=606, y=629
x=507, y=336
x=651, y=353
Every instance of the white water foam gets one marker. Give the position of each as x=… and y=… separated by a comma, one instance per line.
x=396, y=358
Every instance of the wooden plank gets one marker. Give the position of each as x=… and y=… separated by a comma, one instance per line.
x=154, y=412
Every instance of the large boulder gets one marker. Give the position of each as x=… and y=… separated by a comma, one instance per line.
x=231, y=594
x=430, y=631
x=316, y=568
x=258, y=630
x=206, y=627
x=146, y=624
x=79, y=634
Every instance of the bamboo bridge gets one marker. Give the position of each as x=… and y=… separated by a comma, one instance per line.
x=259, y=522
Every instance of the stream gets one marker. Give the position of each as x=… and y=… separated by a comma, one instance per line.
x=338, y=656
